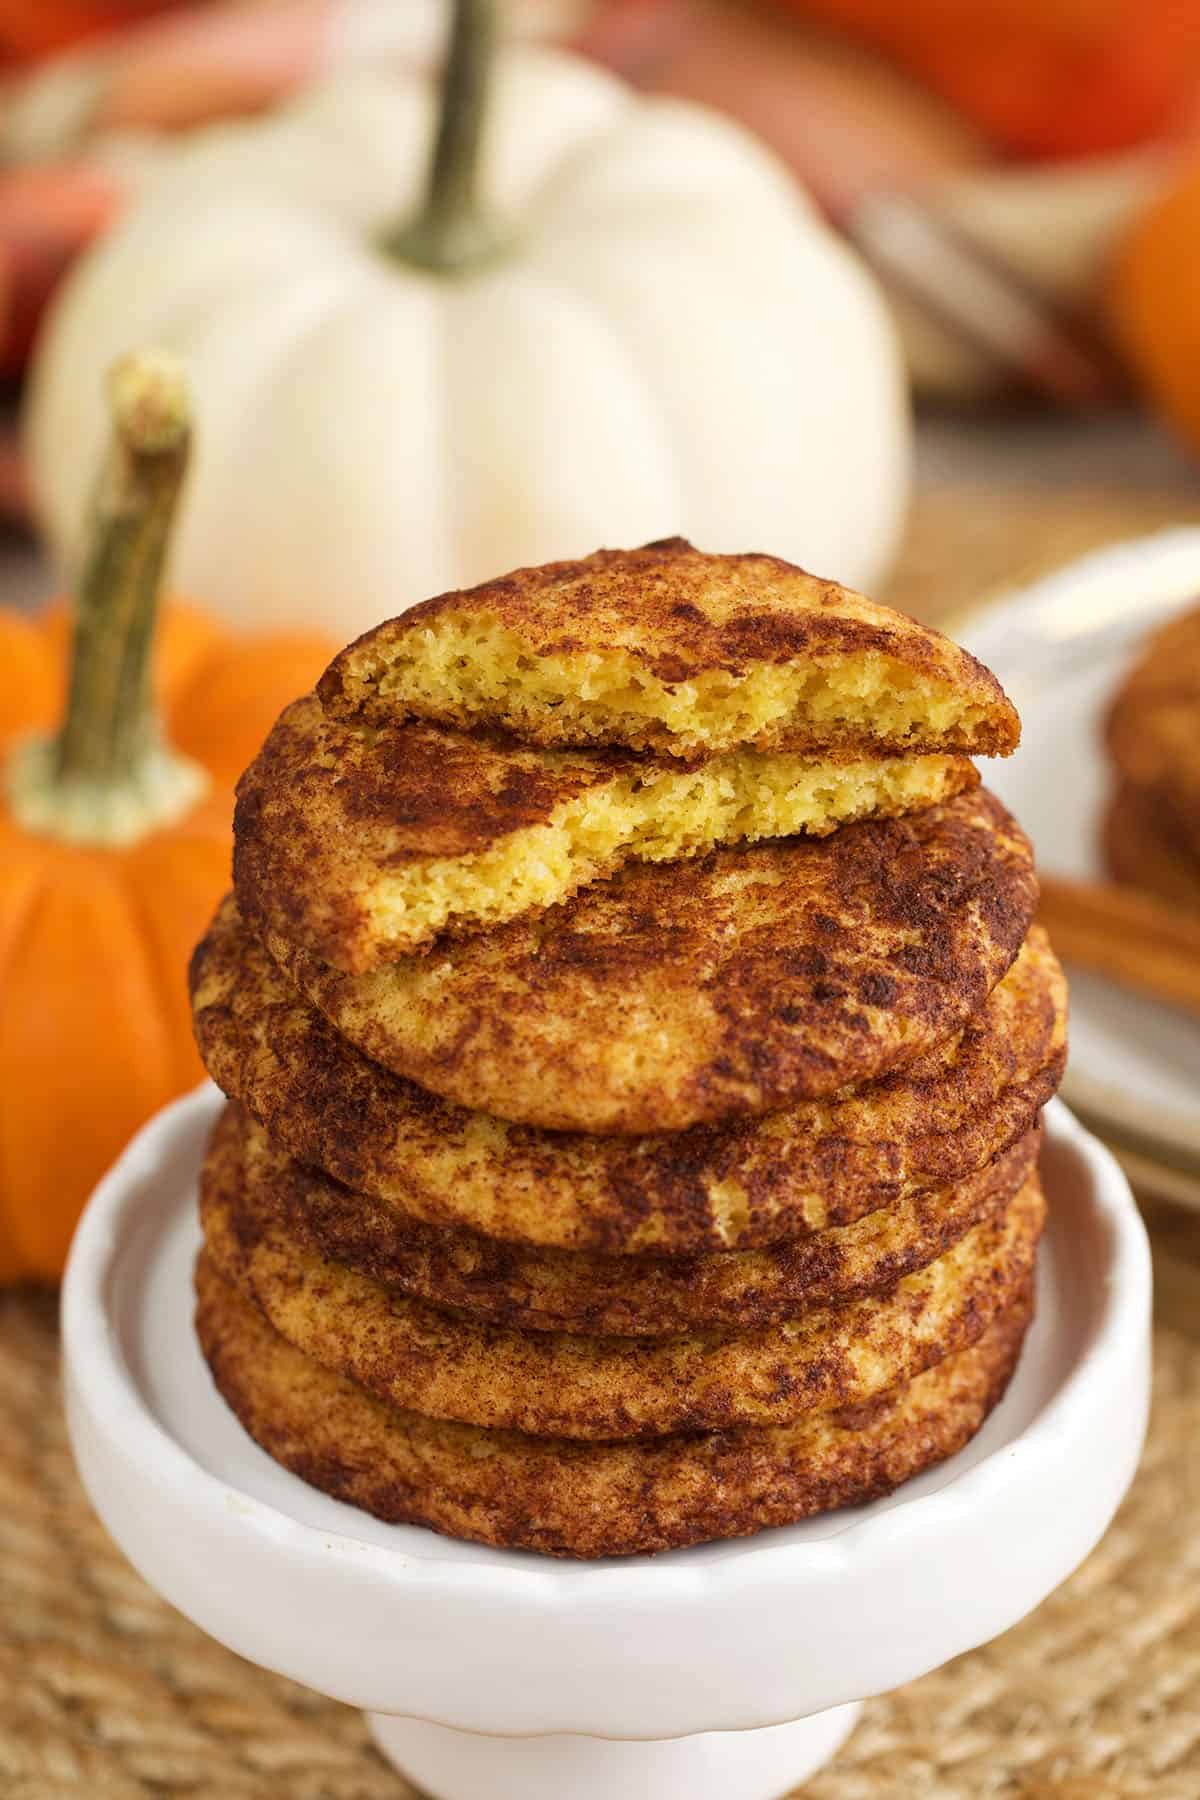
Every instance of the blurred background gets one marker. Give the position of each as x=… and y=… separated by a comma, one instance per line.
x=1019, y=181
x=1015, y=184
x=1016, y=172
x=907, y=291
x=1021, y=176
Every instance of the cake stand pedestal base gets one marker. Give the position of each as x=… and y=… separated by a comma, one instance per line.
x=714, y=1765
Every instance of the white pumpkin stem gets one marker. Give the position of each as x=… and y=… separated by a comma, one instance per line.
x=451, y=234
x=108, y=777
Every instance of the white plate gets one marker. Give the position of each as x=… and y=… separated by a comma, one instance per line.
x=1060, y=646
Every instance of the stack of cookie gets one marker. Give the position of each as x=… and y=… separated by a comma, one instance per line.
x=635, y=1037
x=1152, y=829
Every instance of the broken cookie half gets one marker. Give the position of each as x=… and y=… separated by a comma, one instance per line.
x=670, y=650
x=363, y=843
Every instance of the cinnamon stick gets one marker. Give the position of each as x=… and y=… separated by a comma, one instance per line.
x=1129, y=936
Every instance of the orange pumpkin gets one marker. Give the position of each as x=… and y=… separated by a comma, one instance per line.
x=1154, y=301
x=114, y=841
x=1043, y=77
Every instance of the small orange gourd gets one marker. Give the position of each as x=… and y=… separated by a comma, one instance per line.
x=114, y=828
x=1154, y=296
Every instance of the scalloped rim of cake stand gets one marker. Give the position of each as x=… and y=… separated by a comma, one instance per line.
x=735, y=1636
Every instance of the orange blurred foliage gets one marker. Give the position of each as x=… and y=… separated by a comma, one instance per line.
x=1050, y=78
x=33, y=28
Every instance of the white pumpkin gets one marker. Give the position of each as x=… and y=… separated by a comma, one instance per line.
x=670, y=341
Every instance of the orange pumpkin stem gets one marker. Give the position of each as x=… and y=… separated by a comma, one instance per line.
x=451, y=234
x=108, y=777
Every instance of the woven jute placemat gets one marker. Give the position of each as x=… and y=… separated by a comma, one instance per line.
x=107, y=1694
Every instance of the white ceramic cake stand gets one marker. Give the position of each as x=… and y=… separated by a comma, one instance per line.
x=729, y=1672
